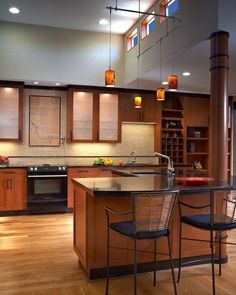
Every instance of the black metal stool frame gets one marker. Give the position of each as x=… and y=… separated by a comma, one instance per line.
x=109, y=210
x=212, y=229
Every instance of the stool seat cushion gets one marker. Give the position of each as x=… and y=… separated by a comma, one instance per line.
x=203, y=221
x=127, y=228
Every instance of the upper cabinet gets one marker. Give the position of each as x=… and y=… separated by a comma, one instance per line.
x=93, y=117
x=149, y=112
x=197, y=111
x=11, y=112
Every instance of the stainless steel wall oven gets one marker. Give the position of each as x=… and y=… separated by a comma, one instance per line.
x=47, y=189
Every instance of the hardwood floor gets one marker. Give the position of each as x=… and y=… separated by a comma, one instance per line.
x=37, y=258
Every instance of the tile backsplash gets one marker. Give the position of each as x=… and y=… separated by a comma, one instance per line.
x=138, y=137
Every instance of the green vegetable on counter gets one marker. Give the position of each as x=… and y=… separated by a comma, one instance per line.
x=98, y=161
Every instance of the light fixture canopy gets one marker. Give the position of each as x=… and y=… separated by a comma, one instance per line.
x=110, y=74
x=160, y=93
x=173, y=82
x=138, y=102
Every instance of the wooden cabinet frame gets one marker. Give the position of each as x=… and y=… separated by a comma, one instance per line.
x=20, y=87
x=95, y=136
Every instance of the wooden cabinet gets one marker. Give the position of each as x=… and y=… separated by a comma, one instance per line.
x=11, y=112
x=93, y=116
x=149, y=112
x=172, y=134
x=77, y=173
x=197, y=111
x=12, y=189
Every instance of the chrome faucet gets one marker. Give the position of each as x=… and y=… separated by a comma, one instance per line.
x=170, y=165
x=132, y=157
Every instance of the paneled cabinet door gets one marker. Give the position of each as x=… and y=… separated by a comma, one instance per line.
x=3, y=192
x=78, y=173
x=197, y=111
x=11, y=111
x=13, y=189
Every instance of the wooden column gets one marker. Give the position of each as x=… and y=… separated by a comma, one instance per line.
x=218, y=146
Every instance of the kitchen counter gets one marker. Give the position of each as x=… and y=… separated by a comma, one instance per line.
x=93, y=194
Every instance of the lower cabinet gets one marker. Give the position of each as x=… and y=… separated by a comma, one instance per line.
x=78, y=173
x=12, y=189
x=82, y=172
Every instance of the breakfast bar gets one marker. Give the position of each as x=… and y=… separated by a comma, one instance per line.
x=93, y=194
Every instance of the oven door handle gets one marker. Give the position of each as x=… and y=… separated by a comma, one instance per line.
x=46, y=175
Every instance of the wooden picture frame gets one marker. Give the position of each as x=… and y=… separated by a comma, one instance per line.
x=44, y=121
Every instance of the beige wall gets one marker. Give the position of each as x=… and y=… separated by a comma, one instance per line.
x=136, y=137
x=37, y=53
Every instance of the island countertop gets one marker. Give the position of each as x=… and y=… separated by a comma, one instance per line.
x=116, y=185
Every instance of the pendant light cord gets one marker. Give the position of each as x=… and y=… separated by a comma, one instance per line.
x=139, y=48
x=173, y=41
x=110, y=43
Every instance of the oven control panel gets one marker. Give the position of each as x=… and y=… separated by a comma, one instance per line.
x=46, y=168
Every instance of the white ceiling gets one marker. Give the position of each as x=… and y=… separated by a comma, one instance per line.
x=85, y=15
x=73, y=14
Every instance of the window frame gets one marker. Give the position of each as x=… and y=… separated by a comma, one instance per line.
x=145, y=25
x=164, y=4
x=130, y=39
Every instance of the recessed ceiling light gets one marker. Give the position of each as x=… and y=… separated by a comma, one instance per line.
x=57, y=84
x=36, y=82
x=103, y=22
x=164, y=83
x=14, y=10
x=186, y=74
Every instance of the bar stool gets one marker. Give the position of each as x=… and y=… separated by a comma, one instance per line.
x=151, y=213
x=219, y=218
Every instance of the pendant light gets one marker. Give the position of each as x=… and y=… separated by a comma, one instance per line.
x=160, y=89
x=110, y=74
x=138, y=98
x=173, y=79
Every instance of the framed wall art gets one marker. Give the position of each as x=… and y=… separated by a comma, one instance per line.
x=44, y=120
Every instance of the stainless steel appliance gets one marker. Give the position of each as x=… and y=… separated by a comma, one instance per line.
x=47, y=189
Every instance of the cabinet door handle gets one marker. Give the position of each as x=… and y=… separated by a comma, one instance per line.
x=7, y=183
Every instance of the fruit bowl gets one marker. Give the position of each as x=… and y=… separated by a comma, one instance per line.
x=195, y=180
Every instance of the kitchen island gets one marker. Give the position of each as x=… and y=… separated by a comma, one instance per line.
x=93, y=194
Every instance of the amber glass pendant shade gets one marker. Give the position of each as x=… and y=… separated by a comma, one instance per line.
x=160, y=93
x=173, y=82
x=110, y=78
x=138, y=102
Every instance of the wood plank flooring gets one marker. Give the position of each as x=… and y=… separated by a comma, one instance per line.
x=37, y=258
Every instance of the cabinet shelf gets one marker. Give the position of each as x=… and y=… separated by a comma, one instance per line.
x=197, y=138
x=172, y=110
x=198, y=153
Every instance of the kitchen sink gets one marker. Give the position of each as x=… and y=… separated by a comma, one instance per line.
x=136, y=164
x=148, y=173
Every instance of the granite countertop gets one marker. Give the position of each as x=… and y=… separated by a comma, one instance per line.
x=122, y=185
x=103, y=167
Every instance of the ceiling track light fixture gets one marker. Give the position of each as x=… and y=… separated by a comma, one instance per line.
x=110, y=74
x=172, y=79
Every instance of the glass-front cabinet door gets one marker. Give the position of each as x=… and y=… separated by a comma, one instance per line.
x=11, y=112
x=82, y=116
x=108, y=117
x=93, y=116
